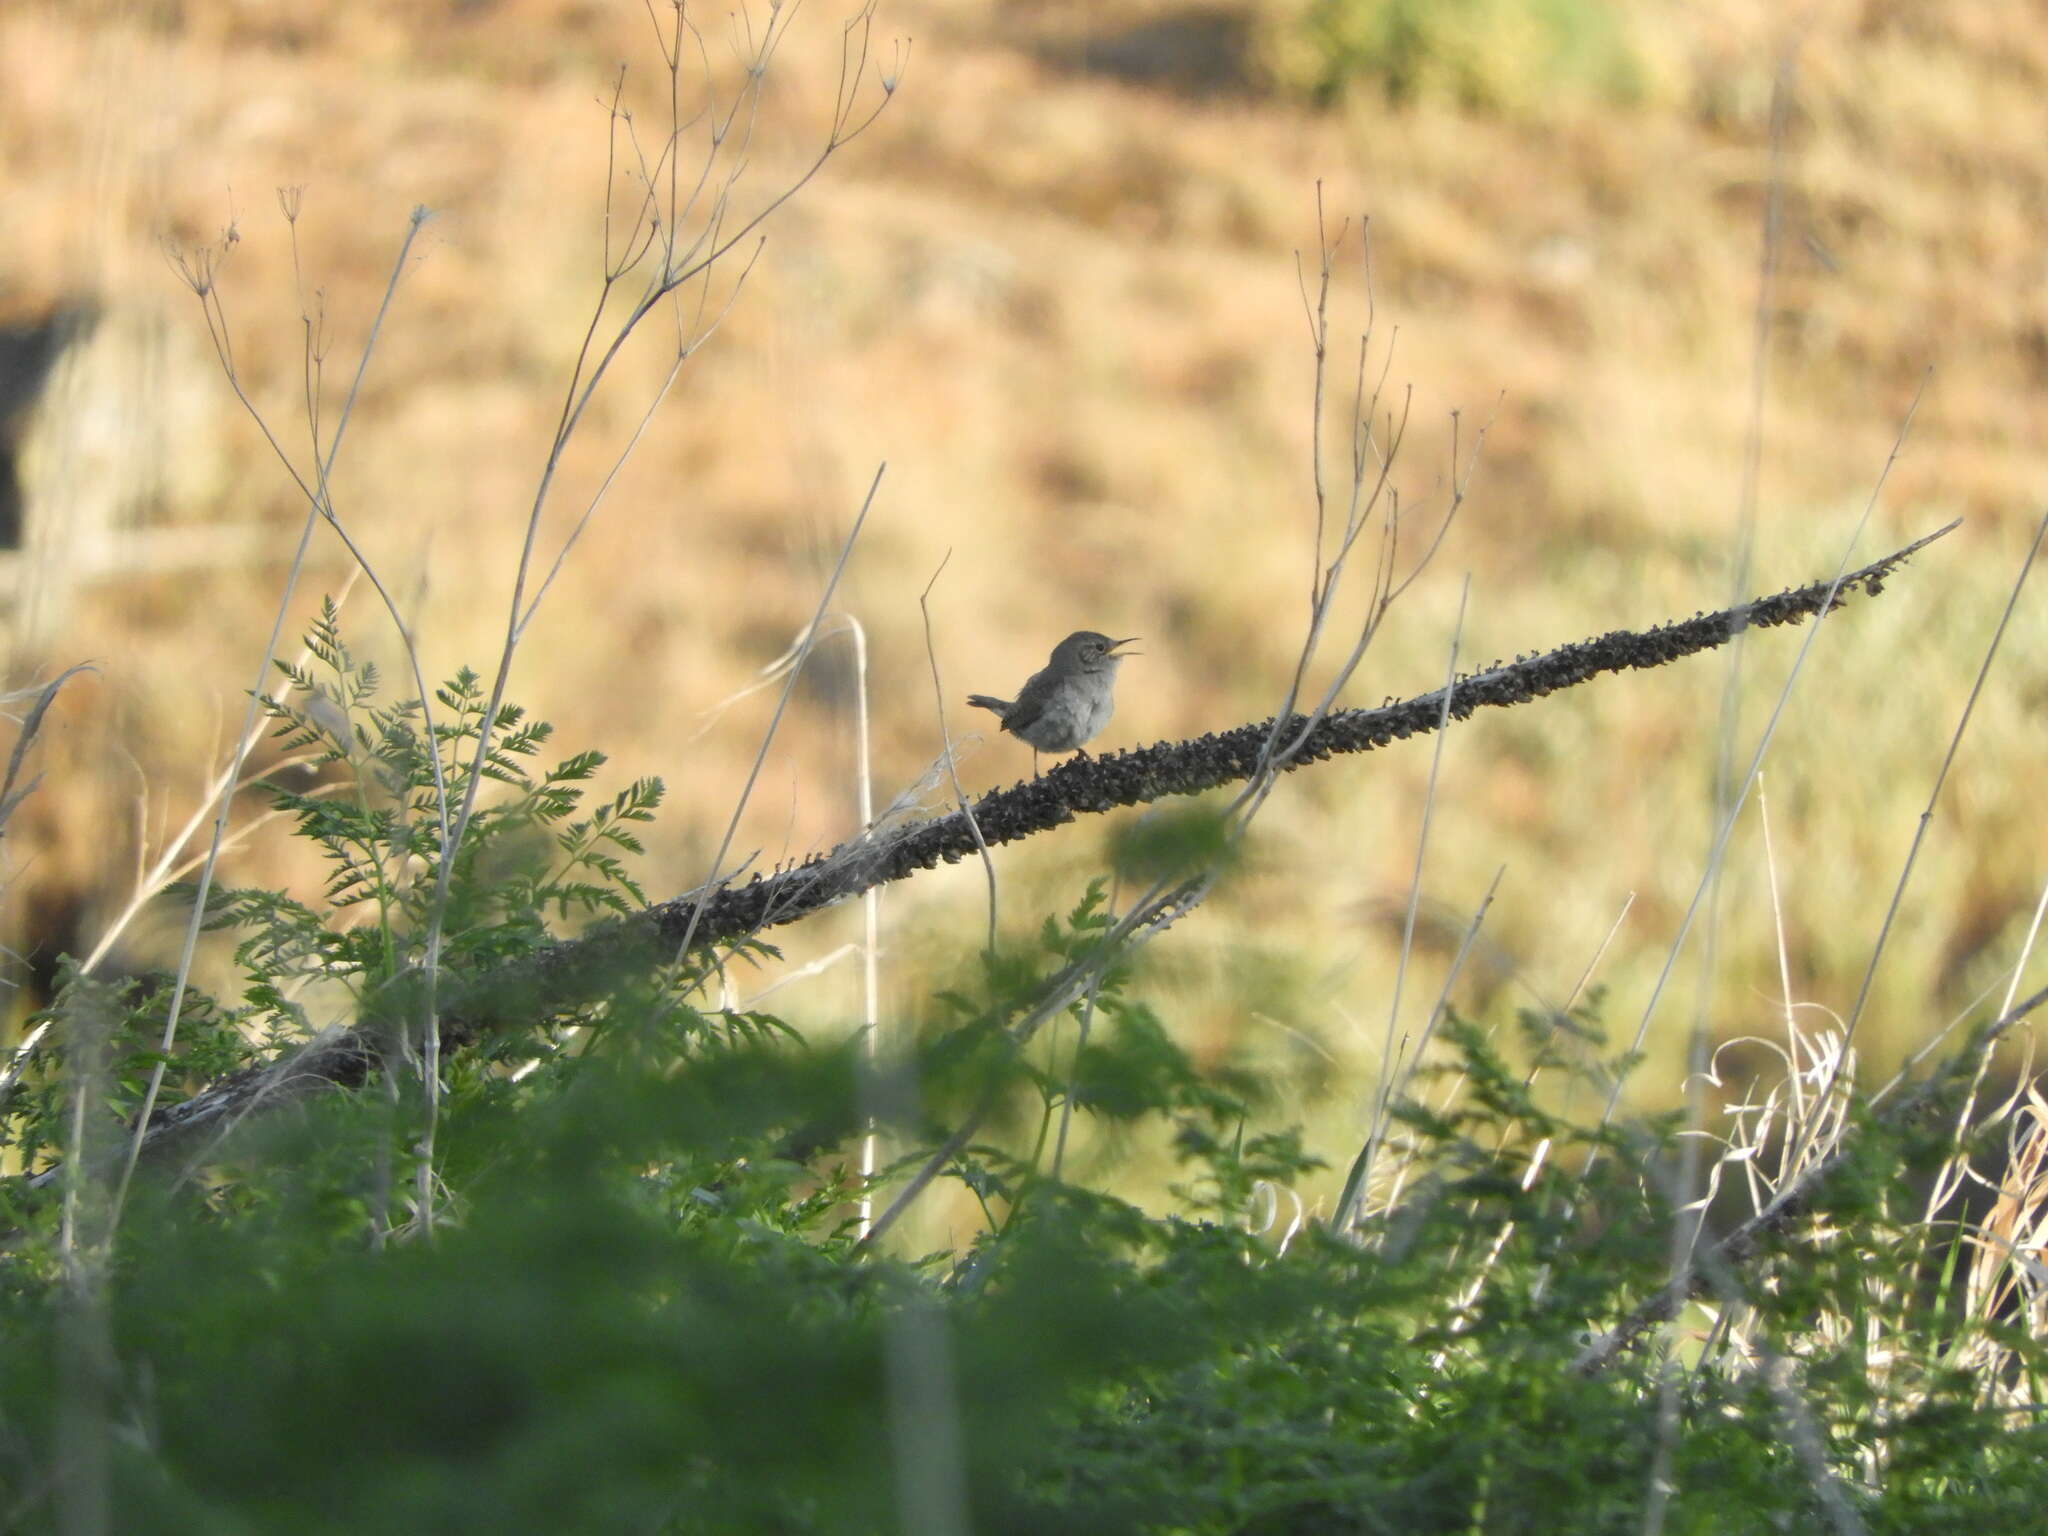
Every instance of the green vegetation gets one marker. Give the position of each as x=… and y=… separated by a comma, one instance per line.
x=392, y=1228
x=1505, y=56
x=630, y=1295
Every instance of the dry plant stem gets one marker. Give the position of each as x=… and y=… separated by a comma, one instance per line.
x=320, y=498
x=684, y=944
x=1361, y=1168
x=931, y=656
x=2005, y=1268
x=320, y=494
x=1813, y=1118
x=1935, y=1042
x=1592, y=965
x=1087, y=1019
x=1763, y=809
x=1717, y=851
x=826, y=627
x=1273, y=756
x=201, y=276
x=1363, y=411
x=871, y=909
x=1318, y=312
x=1735, y=1248
x=201, y=273
x=657, y=228
x=658, y=223
x=1955, y=743
x=1410, y=1062
x=1957, y=1167
x=1688, y=1214
x=685, y=350
x=577, y=971
x=1949, y=1180
x=2019, y=966
x=1586, y=974
x=1386, y=591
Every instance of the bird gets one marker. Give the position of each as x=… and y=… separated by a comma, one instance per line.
x=1066, y=704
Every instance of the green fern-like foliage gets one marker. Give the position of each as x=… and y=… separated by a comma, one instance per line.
x=386, y=787
x=524, y=856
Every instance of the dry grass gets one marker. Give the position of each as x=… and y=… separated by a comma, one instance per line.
x=1061, y=303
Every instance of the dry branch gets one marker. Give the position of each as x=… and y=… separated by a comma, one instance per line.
x=581, y=971
x=1152, y=773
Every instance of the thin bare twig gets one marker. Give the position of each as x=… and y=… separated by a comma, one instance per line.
x=931, y=656
x=1361, y=1170
x=689, y=933
x=1843, y=581
x=201, y=277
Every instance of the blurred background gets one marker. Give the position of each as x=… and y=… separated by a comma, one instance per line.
x=1057, y=288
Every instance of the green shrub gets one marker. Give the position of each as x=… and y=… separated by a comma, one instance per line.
x=1506, y=56
x=641, y=1303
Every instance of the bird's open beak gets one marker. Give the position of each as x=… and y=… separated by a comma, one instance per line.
x=1112, y=651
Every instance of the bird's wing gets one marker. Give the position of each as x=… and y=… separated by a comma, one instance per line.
x=1022, y=715
x=1029, y=706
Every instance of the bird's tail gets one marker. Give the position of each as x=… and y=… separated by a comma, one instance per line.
x=983, y=701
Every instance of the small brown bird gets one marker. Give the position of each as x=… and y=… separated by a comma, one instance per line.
x=1066, y=704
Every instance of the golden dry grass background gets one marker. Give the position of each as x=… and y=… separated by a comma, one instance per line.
x=1055, y=289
